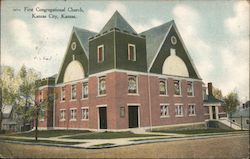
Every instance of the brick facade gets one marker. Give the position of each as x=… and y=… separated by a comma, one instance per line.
x=117, y=96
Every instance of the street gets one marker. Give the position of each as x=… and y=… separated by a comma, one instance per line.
x=223, y=147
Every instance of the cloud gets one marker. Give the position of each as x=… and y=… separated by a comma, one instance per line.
x=187, y=20
x=20, y=33
x=238, y=25
x=96, y=19
x=235, y=57
x=140, y=27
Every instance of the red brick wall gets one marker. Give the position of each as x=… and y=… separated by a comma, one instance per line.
x=117, y=96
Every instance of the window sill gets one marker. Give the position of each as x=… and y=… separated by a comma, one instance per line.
x=41, y=120
x=101, y=95
x=62, y=120
x=84, y=98
x=163, y=95
x=179, y=116
x=62, y=101
x=177, y=95
x=167, y=116
x=84, y=119
x=192, y=115
x=190, y=95
x=73, y=100
x=133, y=94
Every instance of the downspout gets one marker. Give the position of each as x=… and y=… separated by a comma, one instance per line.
x=149, y=102
x=54, y=110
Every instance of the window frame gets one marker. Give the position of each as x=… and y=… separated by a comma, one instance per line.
x=99, y=91
x=129, y=53
x=136, y=82
x=177, y=110
x=166, y=87
x=98, y=60
x=179, y=83
x=63, y=98
x=72, y=114
x=189, y=110
x=41, y=115
x=40, y=96
x=82, y=110
x=64, y=114
x=75, y=93
x=85, y=96
x=161, y=110
x=192, y=88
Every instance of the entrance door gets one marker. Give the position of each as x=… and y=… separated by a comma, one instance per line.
x=214, y=112
x=133, y=116
x=103, y=117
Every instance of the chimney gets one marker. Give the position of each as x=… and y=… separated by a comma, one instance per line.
x=210, y=88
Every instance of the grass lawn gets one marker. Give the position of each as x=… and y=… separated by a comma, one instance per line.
x=195, y=131
x=109, y=135
x=50, y=133
x=41, y=141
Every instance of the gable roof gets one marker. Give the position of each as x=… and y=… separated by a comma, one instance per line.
x=154, y=39
x=83, y=36
x=211, y=99
x=117, y=21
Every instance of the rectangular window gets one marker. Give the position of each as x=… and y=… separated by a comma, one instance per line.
x=62, y=114
x=41, y=114
x=131, y=52
x=179, y=110
x=85, y=90
x=177, y=88
x=132, y=84
x=190, y=91
x=85, y=113
x=100, y=53
x=72, y=114
x=102, y=86
x=163, y=87
x=63, y=93
x=40, y=96
x=191, y=110
x=73, y=91
x=164, y=111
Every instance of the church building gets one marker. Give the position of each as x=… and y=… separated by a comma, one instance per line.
x=119, y=79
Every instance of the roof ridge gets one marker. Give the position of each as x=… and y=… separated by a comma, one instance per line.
x=169, y=22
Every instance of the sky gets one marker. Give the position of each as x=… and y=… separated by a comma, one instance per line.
x=216, y=33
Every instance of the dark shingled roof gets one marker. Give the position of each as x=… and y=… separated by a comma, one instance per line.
x=154, y=39
x=117, y=21
x=211, y=99
x=83, y=36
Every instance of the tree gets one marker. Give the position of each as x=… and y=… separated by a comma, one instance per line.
x=9, y=88
x=26, y=93
x=217, y=93
x=19, y=90
x=231, y=101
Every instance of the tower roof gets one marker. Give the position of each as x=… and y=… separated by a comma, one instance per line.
x=154, y=38
x=83, y=35
x=117, y=21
